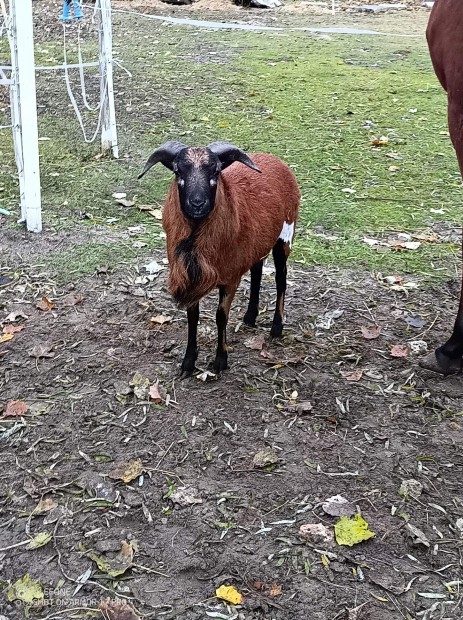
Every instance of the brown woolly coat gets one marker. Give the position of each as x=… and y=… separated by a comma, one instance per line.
x=250, y=211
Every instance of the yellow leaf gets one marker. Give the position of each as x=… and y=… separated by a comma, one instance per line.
x=350, y=532
x=119, y=564
x=45, y=505
x=127, y=471
x=40, y=540
x=229, y=594
x=325, y=561
x=26, y=589
x=6, y=337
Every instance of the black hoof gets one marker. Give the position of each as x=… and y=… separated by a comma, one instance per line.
x=220, y=363
x=441, y=363
x=276, y=330
x=188, y=367
x=249, y=319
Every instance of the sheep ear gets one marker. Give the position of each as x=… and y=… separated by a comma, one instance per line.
x=165, y=155
x=229, y=153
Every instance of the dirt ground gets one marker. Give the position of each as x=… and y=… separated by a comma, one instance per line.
x=339, y=414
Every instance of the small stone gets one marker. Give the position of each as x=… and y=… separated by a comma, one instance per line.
x=338, y=506
x=317, y=533
x=418, y=347
x=265, y=457
x=411, y=488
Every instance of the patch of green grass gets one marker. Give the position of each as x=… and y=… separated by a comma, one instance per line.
x=89, y=257
x=318, y=103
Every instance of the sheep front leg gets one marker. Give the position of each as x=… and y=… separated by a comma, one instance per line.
x=191, y=354
x=226, y=295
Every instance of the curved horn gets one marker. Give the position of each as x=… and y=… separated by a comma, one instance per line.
x=229, y=153
x=165, y=154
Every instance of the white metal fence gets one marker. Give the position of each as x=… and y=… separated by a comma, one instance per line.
x=20, y=78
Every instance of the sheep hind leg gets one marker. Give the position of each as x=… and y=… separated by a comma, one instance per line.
x=448, y=358
x=226, y=295
x=191, y=354
x=281, y=251
x=253, y=307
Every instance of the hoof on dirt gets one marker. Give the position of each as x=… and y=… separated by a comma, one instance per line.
x=276, y=331
x=249, y=320
x=188, y=367
x=441, y=363
x=220, y=364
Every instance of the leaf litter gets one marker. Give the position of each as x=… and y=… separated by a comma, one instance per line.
x=350, y=456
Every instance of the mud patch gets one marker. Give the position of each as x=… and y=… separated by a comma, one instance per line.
x=373, y=422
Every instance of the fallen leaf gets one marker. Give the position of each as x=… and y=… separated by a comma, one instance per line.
x=156, y=213
x=229, y=594
x=382, y=141
x=338, y=506
x=154, y=393
x=274, y=590
x=415, y=321
x=370, y=333
x=125, y=203
x=400, y=350
x=418, y=536
x=14, y=316
x=127, y=471
x=40, y=540
x=73, y=299
x=45, y=505
x=394, y=279
x=370, y=241
x=160, y=319
x=12, y=329
x=153, y=267
x=393, y=168
x=45, y=304
x=6, y=337
x=119, y=564
x=141, y=385
x=350, y=532
x=42, y=350
x=354, y=376
x=119, y=195
x=394, y=155
x=256, y=343
x=26, y=589
x=117, y=609
x=15, y=408
x=206, y=376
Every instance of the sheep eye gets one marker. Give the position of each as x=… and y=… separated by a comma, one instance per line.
x=181, y=181
x=213, y=182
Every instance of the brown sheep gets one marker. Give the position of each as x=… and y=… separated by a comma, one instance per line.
x=221, y=219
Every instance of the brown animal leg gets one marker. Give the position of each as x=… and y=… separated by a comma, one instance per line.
x=280, y=255
x=450, y=355
x=191, y=354
x=226, y=295
x=253, y=308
